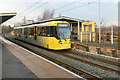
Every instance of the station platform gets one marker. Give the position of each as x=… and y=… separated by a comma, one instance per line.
x=21, y=63
x=12, y=67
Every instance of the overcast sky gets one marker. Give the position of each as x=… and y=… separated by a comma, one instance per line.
x=80, y=9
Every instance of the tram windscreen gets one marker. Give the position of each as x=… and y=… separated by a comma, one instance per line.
x=63, y=31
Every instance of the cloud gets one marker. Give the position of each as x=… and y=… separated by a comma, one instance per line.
x=114, y=22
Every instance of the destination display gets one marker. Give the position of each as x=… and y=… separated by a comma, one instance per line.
x=63, y=25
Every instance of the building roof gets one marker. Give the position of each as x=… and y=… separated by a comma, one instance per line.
x=5, y=16
x=63, y=18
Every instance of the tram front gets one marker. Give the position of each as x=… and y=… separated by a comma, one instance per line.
x=63, y=32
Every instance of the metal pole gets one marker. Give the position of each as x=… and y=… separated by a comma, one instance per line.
x=71, y=26
x=78, y=28
x=81, y=37
x=99, y=24
x=78, y=31
x=90, y=37
x=24, y=20
x=111, y=34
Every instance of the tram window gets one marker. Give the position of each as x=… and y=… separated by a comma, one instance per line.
x=25, y=31
x=28, y=31
x=44, y=31
x=48, y=31
x=31, y=31
x=53, y=31
x=39, y=31
x=19, y=32
x=16, y=32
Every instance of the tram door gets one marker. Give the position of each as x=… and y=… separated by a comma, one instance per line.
x=35, y=33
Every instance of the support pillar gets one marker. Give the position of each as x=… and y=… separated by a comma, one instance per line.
x=71, y=26
x=90, y=37
x=81, y=37
x=78, y=30
x=111, y=34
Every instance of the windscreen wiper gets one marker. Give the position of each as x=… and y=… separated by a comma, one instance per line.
x=62, y=36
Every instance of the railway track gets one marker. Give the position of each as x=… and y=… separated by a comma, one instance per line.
x=95, y=58
x=71, y=55
x=91, y=63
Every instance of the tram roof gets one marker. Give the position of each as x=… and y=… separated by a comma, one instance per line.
x=26, y=26
x=41, y=24
x=5, y=16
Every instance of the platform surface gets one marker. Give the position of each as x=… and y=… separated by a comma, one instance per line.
x=12, y=67
x=29, y=64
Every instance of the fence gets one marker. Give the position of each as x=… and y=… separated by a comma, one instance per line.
x=86, y=37
x=107, y=37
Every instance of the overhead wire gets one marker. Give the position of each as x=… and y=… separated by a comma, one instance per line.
x=29, y=7
x=26, y=10
x=63, y=6
x=67, y=5
x=77, y=7
x=38, y=7
x=56, y=8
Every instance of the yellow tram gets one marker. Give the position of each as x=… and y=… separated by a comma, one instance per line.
x=52, y=35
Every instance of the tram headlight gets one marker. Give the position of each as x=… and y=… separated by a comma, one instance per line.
x=60, y=42
x=69, y=41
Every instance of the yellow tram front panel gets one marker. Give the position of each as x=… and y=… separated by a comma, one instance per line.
x=53, y=43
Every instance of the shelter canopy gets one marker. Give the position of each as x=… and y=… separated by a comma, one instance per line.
x=5, y=16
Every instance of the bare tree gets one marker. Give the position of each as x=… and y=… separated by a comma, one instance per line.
x=18, y=24
x=102, y=22
x=6, y=29
x=39, y=18
x=59, y=14
x=47, y=14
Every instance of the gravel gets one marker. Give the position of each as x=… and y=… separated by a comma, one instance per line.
x=96, y=62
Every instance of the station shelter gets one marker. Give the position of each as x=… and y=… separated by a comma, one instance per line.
x=84, y=31
x=4, y=17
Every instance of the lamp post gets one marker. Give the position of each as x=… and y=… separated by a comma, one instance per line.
x=99, y=24
x=111, y=34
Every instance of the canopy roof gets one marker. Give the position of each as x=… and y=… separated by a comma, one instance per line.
x=5, y=16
